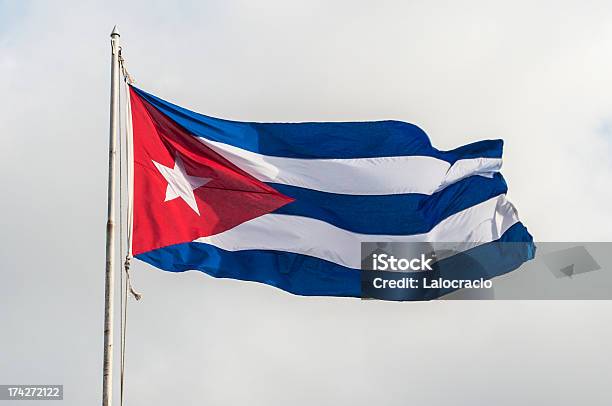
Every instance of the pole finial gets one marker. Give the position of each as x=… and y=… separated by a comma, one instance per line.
x=115, y=32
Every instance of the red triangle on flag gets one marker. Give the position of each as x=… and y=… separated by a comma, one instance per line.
x=184, y=190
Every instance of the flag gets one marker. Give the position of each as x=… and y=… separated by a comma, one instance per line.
x=289, y=204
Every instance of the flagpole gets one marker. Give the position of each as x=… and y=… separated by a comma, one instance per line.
x=107, y=368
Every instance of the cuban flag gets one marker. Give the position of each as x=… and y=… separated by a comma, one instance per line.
x=288, y=204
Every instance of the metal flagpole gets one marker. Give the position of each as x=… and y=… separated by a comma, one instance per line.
x=107, y=374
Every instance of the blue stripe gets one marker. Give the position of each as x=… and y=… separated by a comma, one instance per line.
x=309, y=276
x=320, y=140
x=391, y=214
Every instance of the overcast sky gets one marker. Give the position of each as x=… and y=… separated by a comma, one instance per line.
x=536, y=73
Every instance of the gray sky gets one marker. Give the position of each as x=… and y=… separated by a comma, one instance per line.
x=537, y=74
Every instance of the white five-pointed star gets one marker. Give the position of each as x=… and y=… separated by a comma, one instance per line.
x=180, y=184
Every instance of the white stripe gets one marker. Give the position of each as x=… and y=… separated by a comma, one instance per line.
x=358, y=176
x=484, y=222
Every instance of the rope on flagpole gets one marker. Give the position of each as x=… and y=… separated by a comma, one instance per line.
x=125, y=152
x=122, y=302
x=129, y=80
x=122, y=296
x=127, y=141
x=126, y=75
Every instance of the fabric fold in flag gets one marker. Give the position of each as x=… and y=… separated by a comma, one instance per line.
x=289, y=204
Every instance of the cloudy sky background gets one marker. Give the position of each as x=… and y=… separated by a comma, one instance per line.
x=537, y=74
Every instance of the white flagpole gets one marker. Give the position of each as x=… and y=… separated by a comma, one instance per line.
x=107, y=372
